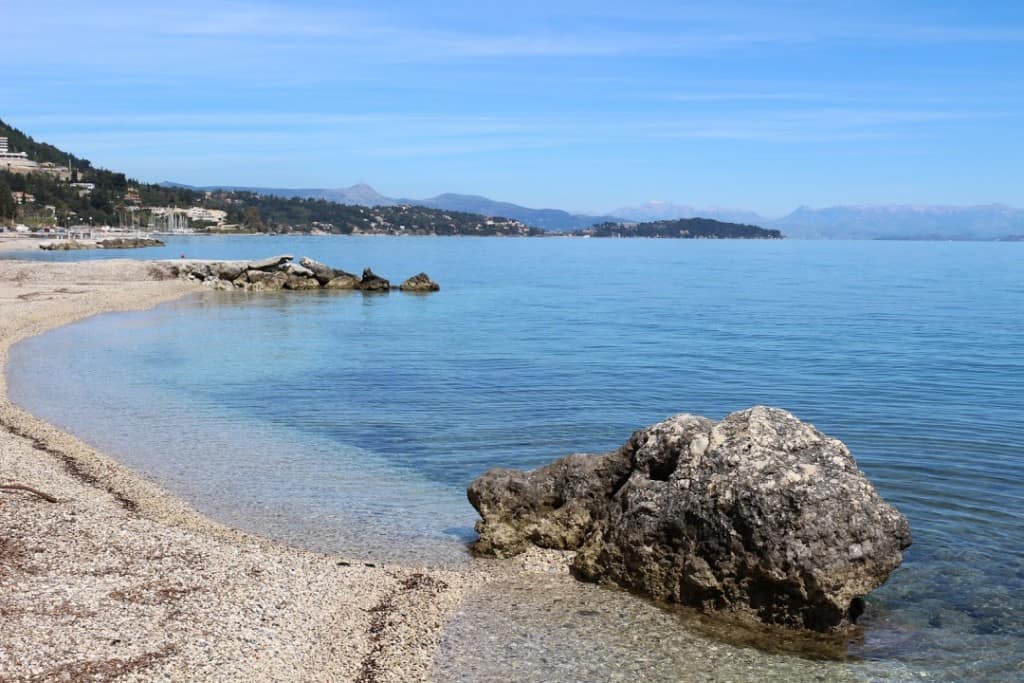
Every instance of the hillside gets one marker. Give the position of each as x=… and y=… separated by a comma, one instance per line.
x=554, y=220
x=95, y=196
x=546, y=219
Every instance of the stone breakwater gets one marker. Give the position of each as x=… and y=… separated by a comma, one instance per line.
x=112, y=243
x=281, y=272
x=760, y=515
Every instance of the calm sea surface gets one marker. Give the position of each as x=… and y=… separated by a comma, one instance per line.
x=353, y=423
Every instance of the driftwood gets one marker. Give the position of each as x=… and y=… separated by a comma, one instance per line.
x=22, y=487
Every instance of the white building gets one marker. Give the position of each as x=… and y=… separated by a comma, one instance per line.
x=9, y=157
x=198, y=213
x=18, y=162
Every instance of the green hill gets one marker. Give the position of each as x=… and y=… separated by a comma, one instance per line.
x=115, y=199
x=684, y=228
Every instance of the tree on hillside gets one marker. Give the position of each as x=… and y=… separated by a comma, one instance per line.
x=8, y=207
x=251, y=218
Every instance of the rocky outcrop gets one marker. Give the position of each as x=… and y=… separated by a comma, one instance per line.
x=419, y=283
x=372, y=282
x=112, y=243
x=129, y=243
x=345, y=281
x=759, y=514
x=269, y=263
x=281, y=272
x=67, y=245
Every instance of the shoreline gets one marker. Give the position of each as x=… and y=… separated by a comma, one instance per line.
x=119, y=577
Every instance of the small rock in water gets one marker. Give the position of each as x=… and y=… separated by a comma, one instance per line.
x=420, y=283
x=372, y=282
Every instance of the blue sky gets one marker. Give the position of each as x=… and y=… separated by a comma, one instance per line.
x=577, y=105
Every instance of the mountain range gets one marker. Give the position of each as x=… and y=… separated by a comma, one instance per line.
x=364, y=195
x=905, y=221
x=882, y=221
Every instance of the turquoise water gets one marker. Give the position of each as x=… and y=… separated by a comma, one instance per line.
x=353, y=423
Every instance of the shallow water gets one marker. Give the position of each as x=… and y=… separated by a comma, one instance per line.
x=353, y=423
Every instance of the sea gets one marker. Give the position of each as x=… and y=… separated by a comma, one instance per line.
x=352, y=423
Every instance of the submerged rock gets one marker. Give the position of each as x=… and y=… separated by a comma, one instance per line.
x=759, y=514
x=419, y=283
x=372, y=282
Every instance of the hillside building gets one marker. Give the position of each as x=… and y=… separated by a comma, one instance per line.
x=18, y=162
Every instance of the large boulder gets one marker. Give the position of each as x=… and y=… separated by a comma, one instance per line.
x=269, y=263
x=342, y=281
x=299, y=282
x=267, y=282
x=371, y=282
x=419, y=283
x=227, y=270
x=322, y=272
x=295, y=270
x=759, y=514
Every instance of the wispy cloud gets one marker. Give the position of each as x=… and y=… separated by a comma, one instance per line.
x=207, y=86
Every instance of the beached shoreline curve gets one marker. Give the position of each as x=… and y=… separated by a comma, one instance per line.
x=120, y=578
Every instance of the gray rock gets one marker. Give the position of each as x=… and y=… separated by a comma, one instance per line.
x=323, y=273
x=228, y=270
x=419, y=283
x=297, y=282
x=198, y=271
x=275, y=282
x=295, y=270
x=343, y=281
x=759, y=514
x=129, y=243
x=67, y=245
x=372, y=282
x=269, y=263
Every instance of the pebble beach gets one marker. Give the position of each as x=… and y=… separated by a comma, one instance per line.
x=117, y=579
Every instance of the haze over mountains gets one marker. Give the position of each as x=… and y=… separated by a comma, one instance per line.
x=666, y=211
x=882, y=221
x=905, y=221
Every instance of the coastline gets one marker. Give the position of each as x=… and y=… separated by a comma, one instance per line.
x=119, y=578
